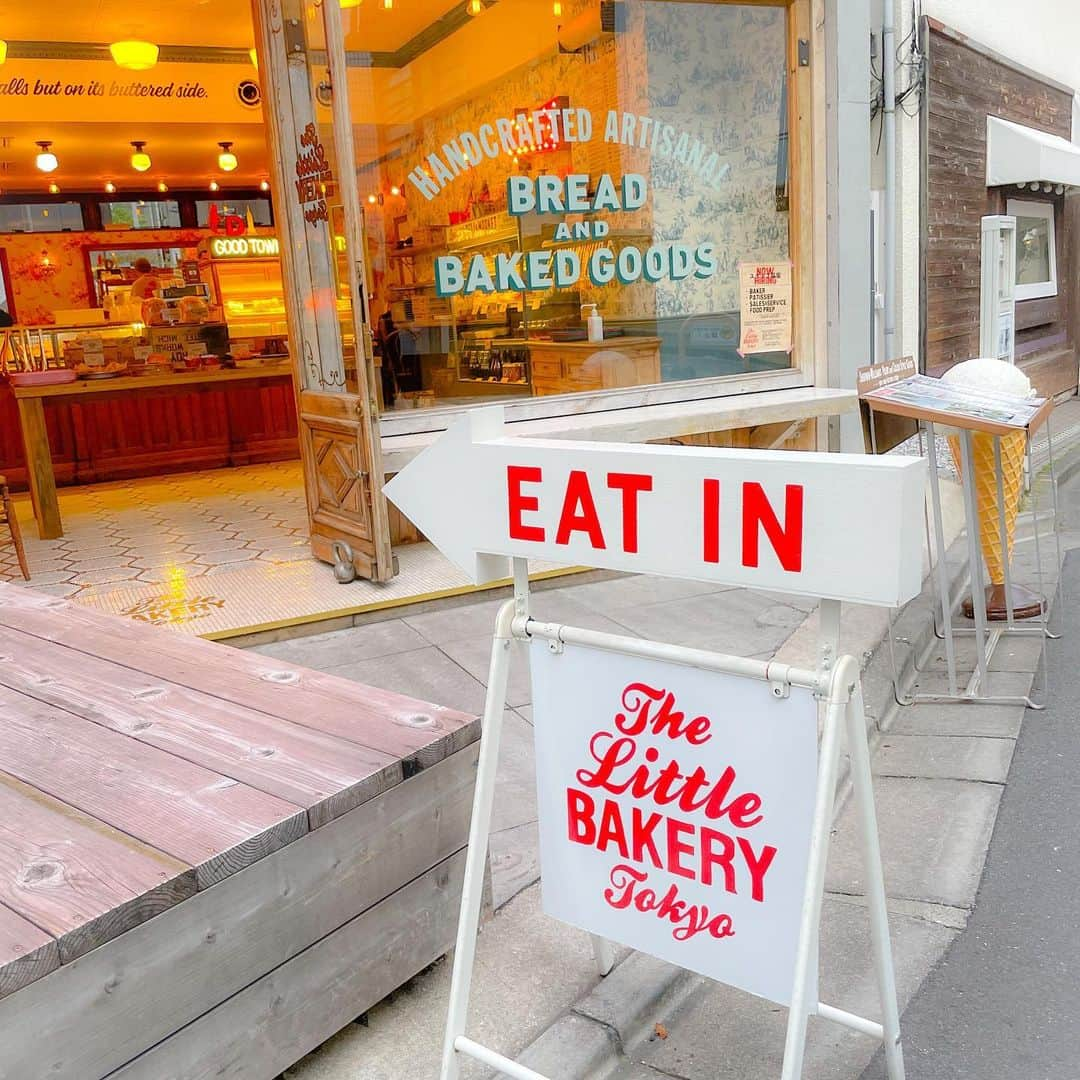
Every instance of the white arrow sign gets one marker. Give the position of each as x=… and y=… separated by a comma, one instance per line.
x=836, y=526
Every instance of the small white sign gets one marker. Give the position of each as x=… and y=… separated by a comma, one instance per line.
x=675, y=811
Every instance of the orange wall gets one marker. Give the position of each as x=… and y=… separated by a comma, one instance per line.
x=37, y=294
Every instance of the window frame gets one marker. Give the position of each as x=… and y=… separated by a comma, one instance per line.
x=803, y=184
x=1047, y=211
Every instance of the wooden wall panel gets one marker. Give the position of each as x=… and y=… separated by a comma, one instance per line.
x=965, y=85
x=146, y=434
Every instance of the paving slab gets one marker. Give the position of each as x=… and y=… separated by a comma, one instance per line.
x=514, y=857
x=515, y=791
x=615, y=595
x=725, y=1034
x=947, y=757
x=345, y=646
x=934, y=835
x=992, y=721
x=737, y=621
x=1012, y=654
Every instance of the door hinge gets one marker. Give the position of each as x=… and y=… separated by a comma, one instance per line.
x=294, y=37
x=804, y=52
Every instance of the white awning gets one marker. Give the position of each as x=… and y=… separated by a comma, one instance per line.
x=1020, y=155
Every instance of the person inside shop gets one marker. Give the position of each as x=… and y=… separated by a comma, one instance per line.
x=146, y=284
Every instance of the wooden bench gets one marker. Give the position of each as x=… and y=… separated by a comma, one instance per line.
x=210, y=861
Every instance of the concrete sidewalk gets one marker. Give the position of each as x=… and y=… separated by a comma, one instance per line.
x=536, y=993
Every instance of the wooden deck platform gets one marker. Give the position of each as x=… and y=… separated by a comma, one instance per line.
x=210, y=861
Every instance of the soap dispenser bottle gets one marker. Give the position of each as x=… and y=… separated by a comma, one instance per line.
x=593, y=321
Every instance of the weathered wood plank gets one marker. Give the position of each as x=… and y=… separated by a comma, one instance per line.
x=270, y=1025
x=324, y=775
x=79, y=880
x=27, y=953
x=204, y=819
x=416, y=731
x=224, y=938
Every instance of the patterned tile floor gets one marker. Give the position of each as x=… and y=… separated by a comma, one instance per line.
x=211, y=553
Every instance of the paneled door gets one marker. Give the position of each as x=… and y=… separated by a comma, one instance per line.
x=318, y=218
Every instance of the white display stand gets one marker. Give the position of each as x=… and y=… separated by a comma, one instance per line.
x=988, y=635
x=832, y=526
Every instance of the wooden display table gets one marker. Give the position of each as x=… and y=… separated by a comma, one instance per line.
x=210, y=860
x=29, y=399
x=570, y=367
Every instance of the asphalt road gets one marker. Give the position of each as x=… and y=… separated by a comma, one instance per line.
x=1004, y=1003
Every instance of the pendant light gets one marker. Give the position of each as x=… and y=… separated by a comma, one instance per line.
x=134, y=55
x=140, y=159
x=162, y=186
x=110, y=188
x=264, y=185
x=556, y=8
x=214, y=186
x=475, y=7
x=54, y=188
x=3, y=50
x=46, y=160
x=387, y=4
x=226, y=159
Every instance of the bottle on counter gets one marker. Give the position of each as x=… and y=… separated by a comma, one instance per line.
x=593, y=321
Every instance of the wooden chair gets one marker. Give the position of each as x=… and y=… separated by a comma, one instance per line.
x=7, y=516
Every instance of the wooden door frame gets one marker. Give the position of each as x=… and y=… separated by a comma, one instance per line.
x=308, y=274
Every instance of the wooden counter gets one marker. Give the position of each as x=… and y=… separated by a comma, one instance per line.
x=570, y=367
x=101, y=429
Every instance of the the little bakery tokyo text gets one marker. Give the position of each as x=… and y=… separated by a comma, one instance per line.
x=638, y=803
x=580, y=519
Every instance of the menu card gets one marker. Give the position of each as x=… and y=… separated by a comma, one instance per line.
x=924, y=394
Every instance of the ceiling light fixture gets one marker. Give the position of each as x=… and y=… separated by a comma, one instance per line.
x=349, y=3
x=140, y=159
x=395, y=191
x=134, y=55
x=214, y=186
x=54, y=188
x=46, y=160
x=110, y=187
x=475, y=7
x=387, y=4
x=162, y=186
x=264, y=185
x=3, y=50
x=556, y=8
x=226, y=159
x=254, y=57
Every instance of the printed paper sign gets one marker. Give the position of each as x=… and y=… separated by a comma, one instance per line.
x=765, y=307
x=675, y=811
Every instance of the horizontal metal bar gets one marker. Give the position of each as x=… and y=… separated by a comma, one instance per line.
x=850, y=1020
x=768, y=671
x=465, y=1045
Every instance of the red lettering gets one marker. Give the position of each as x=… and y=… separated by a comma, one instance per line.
x=787, y=540
x=579, y=817
x=712, y=521
x=611, y=829
x=579, y=512
x=623, y=878
x=518, y=504
x=710, y=857
x=641, y=833
x=742, y=810
x=636, y=699
x=758, y=865
x=676, y=847
x=630, y=484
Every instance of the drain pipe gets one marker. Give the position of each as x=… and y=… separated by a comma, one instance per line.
x=888, y=120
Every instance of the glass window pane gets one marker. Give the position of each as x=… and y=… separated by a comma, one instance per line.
x=140, y=214
x=631, y=165
x=258, y=209
x=41, y=217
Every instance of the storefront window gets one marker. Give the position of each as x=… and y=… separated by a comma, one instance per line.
x=140, y=214
x=257, y=209
x=41, y=217
x=562, y=205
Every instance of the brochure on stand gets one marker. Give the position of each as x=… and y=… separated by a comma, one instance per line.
x=939, y=402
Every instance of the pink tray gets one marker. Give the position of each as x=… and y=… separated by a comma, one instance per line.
x=42, y=378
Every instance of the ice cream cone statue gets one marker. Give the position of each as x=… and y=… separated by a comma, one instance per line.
x=996, y=376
